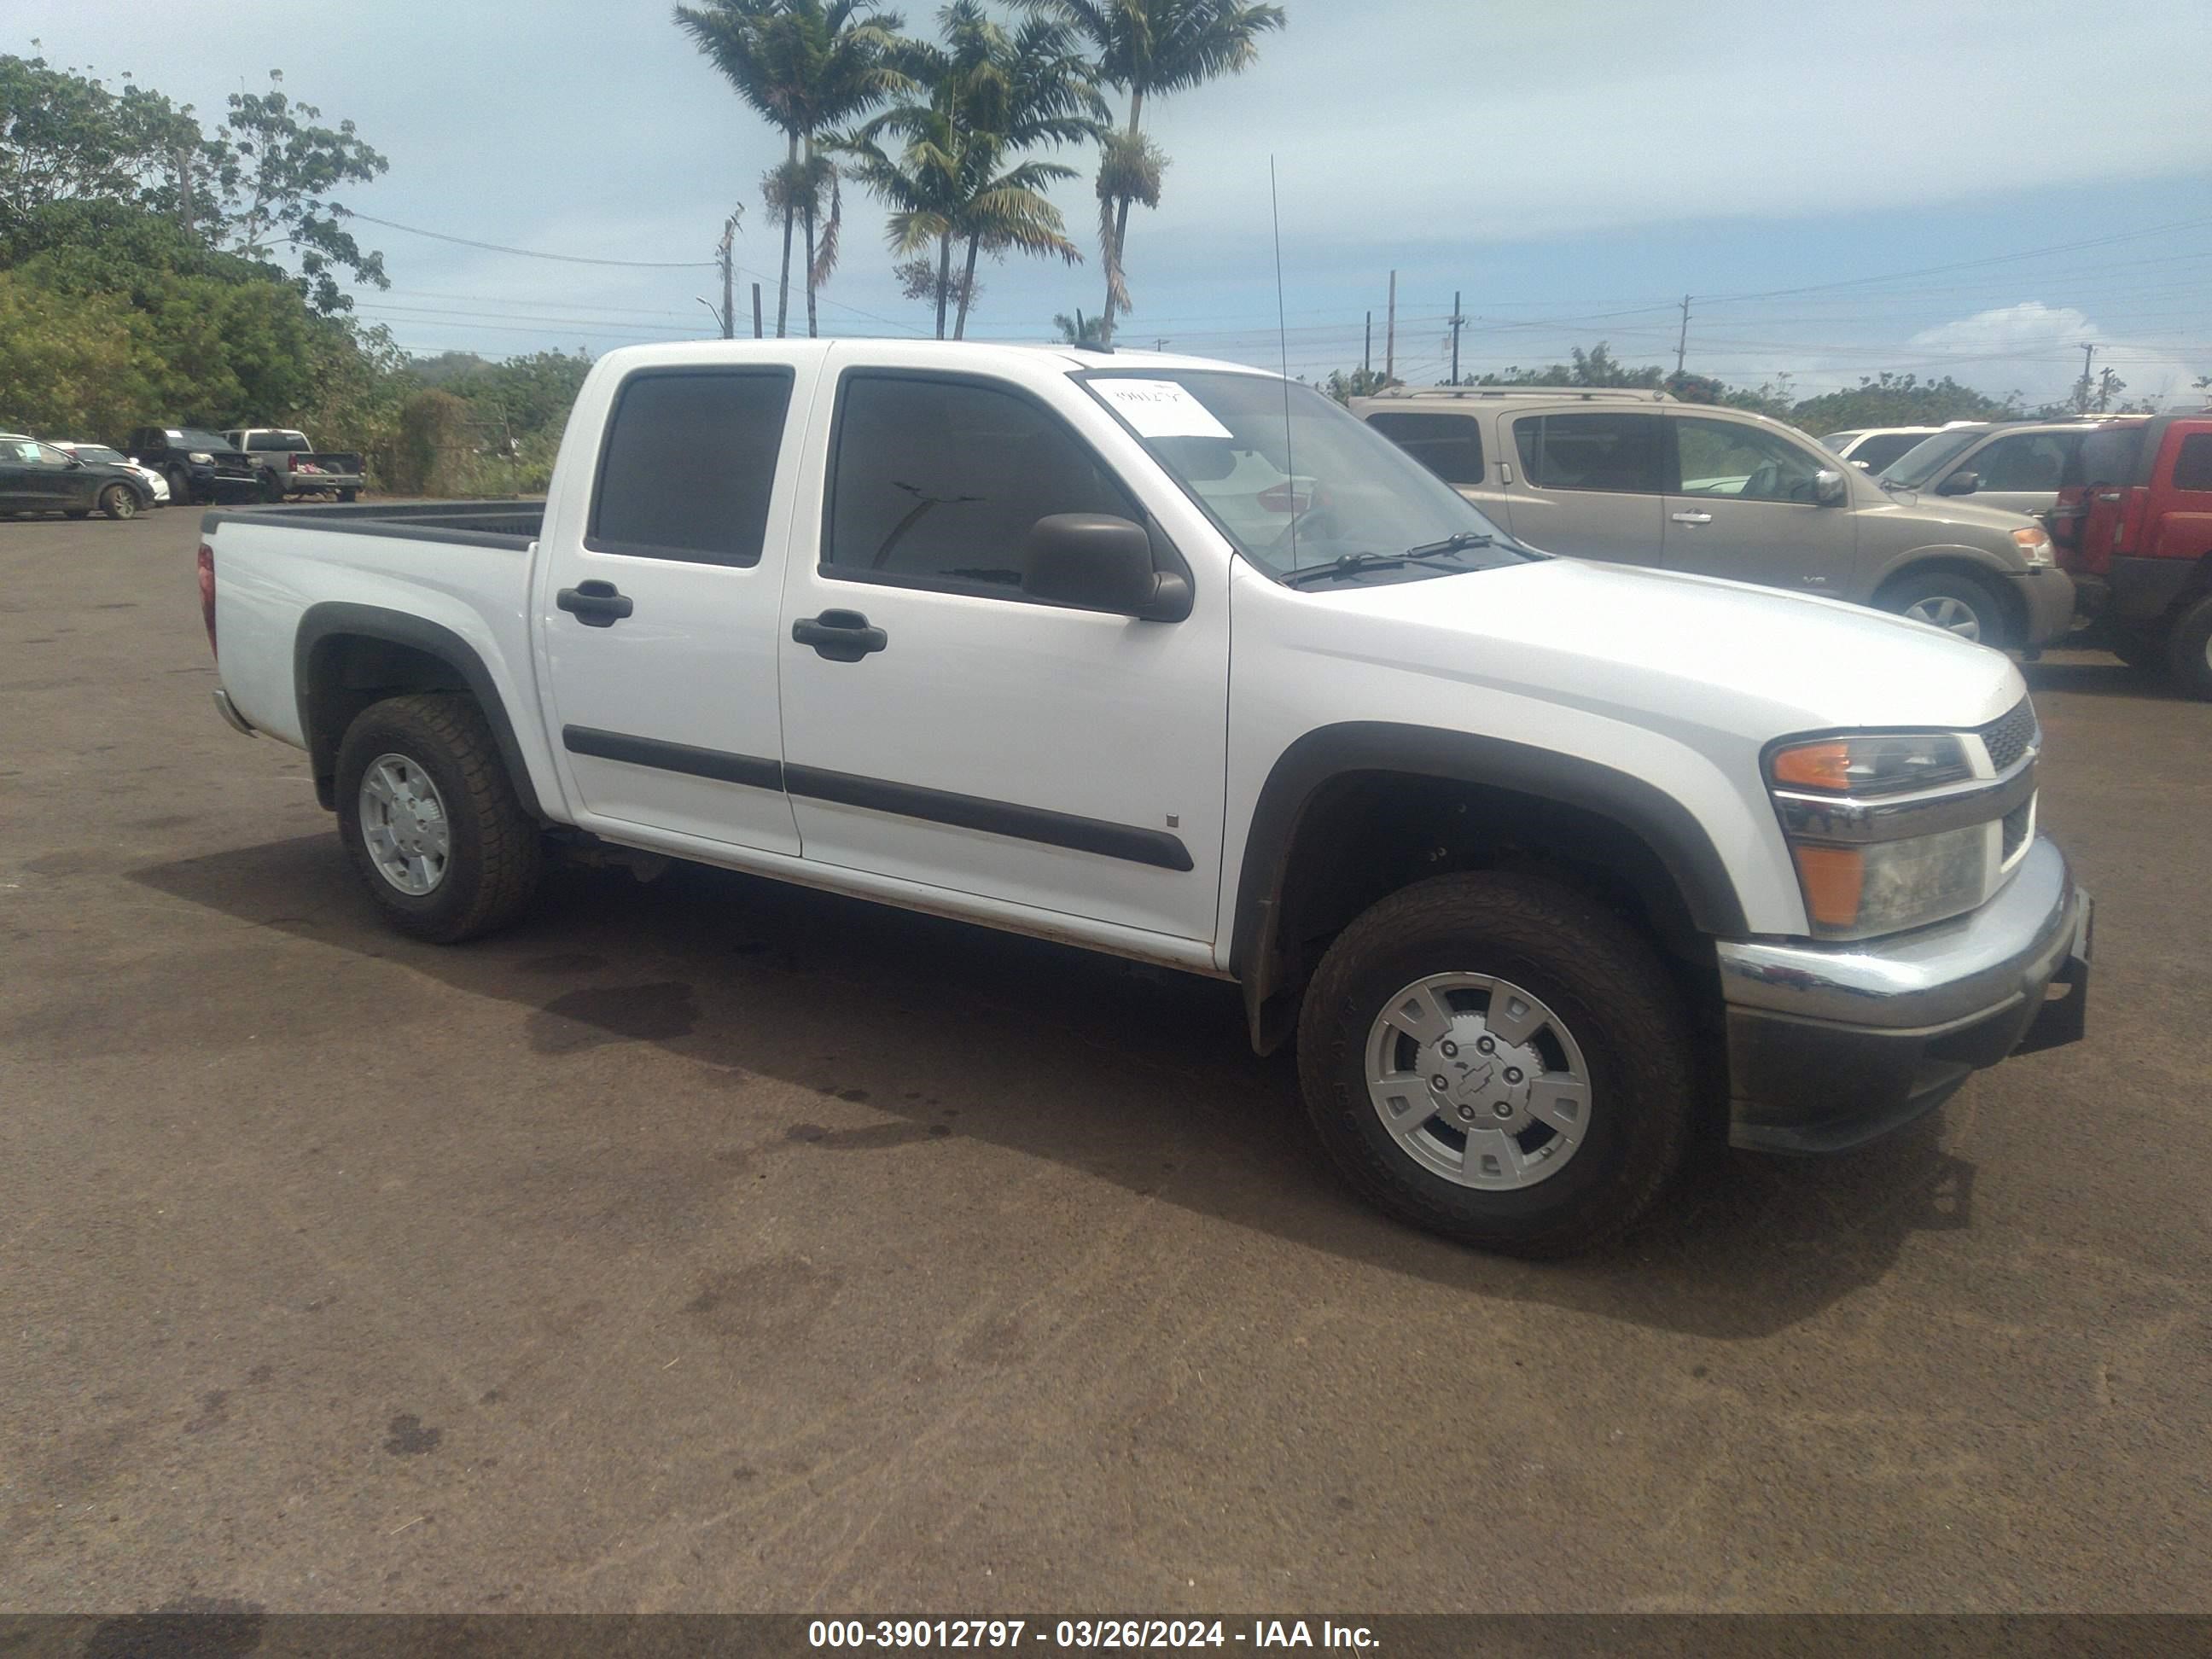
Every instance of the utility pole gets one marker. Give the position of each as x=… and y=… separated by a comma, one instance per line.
x=1391, y=334
x=2081, y=391
x=1682, y=340
x=185, y=186
x=729, y=298
x=756, y=311
x=1458, y=322
x=1367, y=350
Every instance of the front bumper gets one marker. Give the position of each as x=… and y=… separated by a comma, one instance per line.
x=1830, y=1046
x=2046, y=594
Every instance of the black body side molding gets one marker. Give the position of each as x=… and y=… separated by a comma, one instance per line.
x=1127, y=842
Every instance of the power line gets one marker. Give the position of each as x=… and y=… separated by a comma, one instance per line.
x=531, y=253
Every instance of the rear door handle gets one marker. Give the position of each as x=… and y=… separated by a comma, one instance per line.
x=1691, y=518
x=840, y=636
x=595, y=604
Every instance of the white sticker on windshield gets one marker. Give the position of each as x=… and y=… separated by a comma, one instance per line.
x=1159, y=409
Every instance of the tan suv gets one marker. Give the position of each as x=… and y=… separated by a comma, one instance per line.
x=1638, y=478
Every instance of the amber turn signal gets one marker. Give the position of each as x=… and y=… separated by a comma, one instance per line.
x=1815, y=765
x=1833, y=879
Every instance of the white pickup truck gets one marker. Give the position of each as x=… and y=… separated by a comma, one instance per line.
x=1549, y=866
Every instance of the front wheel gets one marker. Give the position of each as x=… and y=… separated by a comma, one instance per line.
x=2189, y=651
x=1499, y=1059
x=431, y=821
x=180, y=486
x=1952, y=601
x=118, y=501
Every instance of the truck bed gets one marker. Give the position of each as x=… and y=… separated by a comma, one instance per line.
x=508, y=523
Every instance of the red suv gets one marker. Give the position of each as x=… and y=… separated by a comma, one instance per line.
x=2134, y=529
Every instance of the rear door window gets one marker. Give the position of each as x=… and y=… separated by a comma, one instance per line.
x=2193, y=467
x=1450, y=446
x=1610, y=451
x=689, y=465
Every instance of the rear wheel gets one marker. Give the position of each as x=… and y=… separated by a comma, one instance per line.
x=2189, y=651
x=348, y=494
x=1952, y=601
x=1499, y=1059
x=430, y=819
x=119, y=501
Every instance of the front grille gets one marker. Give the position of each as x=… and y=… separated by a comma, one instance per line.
x=2007, y=740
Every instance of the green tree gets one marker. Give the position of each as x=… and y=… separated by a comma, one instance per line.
x=276, y=170
x=989, y=95
x=1080, y=329
x=1149, y=49
x=1345, y=384
x=810, y=67
x=68, y=362
x=1894, y=400
x=67, y=137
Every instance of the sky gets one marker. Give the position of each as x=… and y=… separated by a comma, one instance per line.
x=1964, y=188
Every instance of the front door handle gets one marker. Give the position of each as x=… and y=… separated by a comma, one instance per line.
x=595, y=604
x=1691, y=518
x=840, y=636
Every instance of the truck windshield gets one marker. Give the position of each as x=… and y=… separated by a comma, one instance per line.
x=193, y=438
x=1921, y=463
x=1295, y=494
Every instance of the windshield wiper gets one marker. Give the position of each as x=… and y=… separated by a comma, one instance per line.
x=1430, y=554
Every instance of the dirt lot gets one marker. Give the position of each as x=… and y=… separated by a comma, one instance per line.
x=706, y=1244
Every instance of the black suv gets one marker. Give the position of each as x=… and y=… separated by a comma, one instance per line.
x=200, y=466
x=36, y=477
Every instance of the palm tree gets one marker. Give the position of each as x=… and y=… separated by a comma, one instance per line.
x=1078, y=330
x=808, y=66
x=1150, y=48
x=991, y=94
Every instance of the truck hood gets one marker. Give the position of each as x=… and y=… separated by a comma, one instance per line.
x=1693, y=655
x=1926, y=507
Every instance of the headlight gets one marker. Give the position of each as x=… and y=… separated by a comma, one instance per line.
x=1887, y=830
x=2034, y=545
x=1887, y=886
x=1878, y=763
x=200, y=458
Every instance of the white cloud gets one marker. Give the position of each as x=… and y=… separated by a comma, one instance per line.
x=2038, y=350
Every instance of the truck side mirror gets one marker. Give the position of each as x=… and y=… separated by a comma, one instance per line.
x=1101, y=563
x=1959, y=483
x=1828, y=489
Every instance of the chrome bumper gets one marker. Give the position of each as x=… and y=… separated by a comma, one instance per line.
x=228, y=710
x=1830, y=1046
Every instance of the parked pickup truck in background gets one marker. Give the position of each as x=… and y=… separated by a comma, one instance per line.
x=2135, y=527
x=199, y=466
x=286, y=463
x=1537, y=859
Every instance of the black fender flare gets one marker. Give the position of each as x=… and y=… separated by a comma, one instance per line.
x=1664, y=823
x=336, y=618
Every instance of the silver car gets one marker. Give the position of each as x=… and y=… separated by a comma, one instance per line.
x=2019, y=465
x=1638, y=478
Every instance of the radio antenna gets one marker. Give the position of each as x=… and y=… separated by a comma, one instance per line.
x=1283, y=346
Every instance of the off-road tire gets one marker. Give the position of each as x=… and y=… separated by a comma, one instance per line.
x=348, y=494
x=496, y=851
x=1596, y=970
x=118, y=501
x=180, y=486
x=1989, y=605
x=2189, y=651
